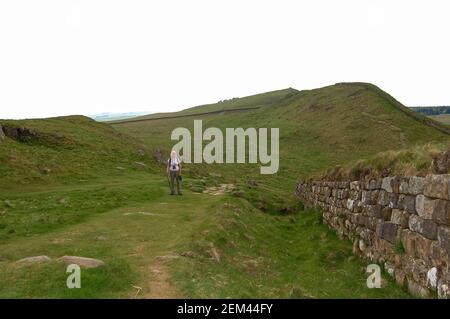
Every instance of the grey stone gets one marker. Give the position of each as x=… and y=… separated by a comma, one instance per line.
x=34, y=260
x=404, y=186
x=400, y=218
x=393, y=200
x=407, y=202
x=387, y=231
x=408, y=239
x=426, y=227
x=416, y=185
x=417, y=290
x=444, y=238
x=386, y=184
x=140, y=164
x=443, y=289
x=383, y=198
x=441, y=212
x=83, y=262
x=374, y=184
x=437, y=186
x=424, y=206
x=355, y=185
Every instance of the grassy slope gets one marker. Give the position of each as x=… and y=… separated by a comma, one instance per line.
x=319, y=128
x=83, y=150
x=254, y=101
x=260, y=255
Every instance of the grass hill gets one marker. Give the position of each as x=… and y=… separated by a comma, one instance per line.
x=64, y=149
x=253, y=102
x=72, y=186
x=318, y=128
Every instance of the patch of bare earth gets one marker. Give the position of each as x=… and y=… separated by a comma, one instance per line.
x=219, y=190
x=158, y=285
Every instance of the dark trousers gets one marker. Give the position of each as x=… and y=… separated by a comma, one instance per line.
x=175, y=176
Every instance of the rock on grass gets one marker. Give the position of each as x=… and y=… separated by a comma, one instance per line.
x=83, y=262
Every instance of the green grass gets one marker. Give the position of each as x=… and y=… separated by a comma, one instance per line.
x=68, y=150
x=403, y=162
x=262, y=255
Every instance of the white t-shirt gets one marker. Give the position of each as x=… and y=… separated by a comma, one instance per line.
x=174, y=164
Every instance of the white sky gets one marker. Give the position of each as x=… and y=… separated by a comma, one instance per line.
x=86, y=57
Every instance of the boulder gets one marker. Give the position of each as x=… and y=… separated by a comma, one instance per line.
x=34, y=260
x=436, y=186
x=140, y=165
x=83, y=262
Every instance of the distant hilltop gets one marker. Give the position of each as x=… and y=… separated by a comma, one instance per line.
x=432, y=110
x=103, y=117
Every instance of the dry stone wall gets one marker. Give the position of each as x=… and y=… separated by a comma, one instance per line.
x=402, y=223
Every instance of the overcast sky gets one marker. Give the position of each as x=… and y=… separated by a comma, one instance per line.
x=86, y=57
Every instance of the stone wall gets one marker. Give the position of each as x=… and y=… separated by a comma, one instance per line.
x=401, y=223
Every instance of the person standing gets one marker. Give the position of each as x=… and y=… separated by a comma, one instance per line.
x=174, y=172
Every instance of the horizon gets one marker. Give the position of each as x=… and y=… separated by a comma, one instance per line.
x=90, y=57
x=133, y=113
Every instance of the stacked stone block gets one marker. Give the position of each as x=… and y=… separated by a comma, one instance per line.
x=402, y=223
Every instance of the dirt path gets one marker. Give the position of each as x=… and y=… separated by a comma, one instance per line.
x=159, y=285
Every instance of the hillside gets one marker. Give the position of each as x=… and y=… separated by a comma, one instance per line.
x=318, y=128
x=73, y=186
x=230, y=105
x=64, y=150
